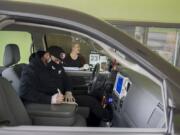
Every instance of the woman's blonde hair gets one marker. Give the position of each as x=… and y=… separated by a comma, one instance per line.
x=74, y=43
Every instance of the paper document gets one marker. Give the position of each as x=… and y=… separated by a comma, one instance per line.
x=72, y=68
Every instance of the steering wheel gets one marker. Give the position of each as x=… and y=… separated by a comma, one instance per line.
x=94, y=78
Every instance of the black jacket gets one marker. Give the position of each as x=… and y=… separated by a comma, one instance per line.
x=69, y=62
x=40, y=82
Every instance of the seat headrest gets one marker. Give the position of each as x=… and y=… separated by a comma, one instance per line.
x=11, y=55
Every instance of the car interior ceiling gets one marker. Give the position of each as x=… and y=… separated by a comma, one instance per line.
x=140, y=106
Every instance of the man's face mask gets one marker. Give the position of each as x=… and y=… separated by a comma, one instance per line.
x=54, y=68
x=51, y=65
x=54, y=63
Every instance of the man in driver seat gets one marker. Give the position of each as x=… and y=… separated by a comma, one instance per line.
x=44, y=76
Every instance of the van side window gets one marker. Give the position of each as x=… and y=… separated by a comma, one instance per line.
x=22, y=39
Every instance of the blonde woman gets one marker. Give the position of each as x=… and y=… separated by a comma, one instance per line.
x=74, y=59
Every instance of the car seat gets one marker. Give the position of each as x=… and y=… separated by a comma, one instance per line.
x=12, y=72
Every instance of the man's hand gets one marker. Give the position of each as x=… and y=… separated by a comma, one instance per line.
x=68, y=97
x=57, y=98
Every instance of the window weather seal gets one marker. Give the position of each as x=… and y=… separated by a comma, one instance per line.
x=5, y=23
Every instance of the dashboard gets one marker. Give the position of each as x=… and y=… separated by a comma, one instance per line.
x=137, y=101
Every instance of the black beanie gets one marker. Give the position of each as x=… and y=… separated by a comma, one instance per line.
x=55, y=51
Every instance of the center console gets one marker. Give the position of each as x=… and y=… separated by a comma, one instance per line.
x=52, y=115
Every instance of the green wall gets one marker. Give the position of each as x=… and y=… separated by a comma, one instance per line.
x=129, y=10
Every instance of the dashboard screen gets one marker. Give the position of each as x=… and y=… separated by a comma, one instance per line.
x=118, y=86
